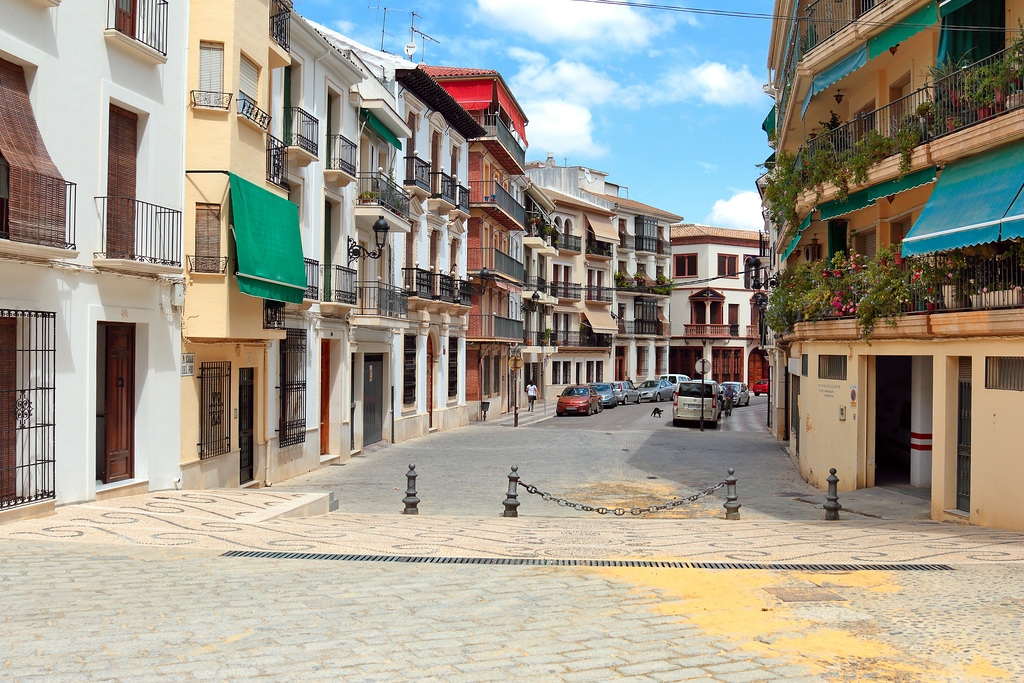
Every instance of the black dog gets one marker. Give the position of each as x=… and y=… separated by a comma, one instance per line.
x=656, y=412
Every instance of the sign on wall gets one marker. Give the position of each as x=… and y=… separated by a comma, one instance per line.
x=188, y=364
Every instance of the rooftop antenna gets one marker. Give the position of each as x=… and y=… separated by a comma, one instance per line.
x=384, y=22
x=410, y=48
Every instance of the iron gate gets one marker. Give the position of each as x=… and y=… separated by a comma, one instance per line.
x=794, y=414
x=246, y=459
x=963, y=437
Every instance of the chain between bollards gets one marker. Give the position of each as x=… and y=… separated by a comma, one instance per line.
x=832, y=506
x=511, y=502
x=410, y=500
x=732, y=504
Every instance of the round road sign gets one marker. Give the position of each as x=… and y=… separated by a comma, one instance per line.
x=703, y=366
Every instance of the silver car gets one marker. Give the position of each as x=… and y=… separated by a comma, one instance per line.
x=656, y=390
x=625, y=392
x=605, y=394
x=742, y=397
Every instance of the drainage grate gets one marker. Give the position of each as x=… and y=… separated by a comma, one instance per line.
x=534, y=562
x=804, y=594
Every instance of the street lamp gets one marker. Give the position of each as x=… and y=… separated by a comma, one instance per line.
x=380, y=236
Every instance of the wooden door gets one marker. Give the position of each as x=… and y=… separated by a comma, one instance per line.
x=373, y=399
x=8, y=399
x=124, y=17
x=325, y=396
x=430, y=383
x=121, y=154
x=246, y=421
x=620, y=363
x=119, y=409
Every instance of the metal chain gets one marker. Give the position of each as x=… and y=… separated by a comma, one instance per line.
x=618, y=512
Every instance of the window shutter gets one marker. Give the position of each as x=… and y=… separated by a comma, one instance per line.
x=211, y=67
x=207, y=233
x=248, y=78
x=121, y=152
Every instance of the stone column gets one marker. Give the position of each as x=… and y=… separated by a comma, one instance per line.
x=921, y=421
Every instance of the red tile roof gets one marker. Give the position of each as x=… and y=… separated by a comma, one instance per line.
x=711, y=232
x=450, y=71
x=638, y=206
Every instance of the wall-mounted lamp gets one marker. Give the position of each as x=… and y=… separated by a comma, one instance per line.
x=380, y=236
x=892, y=50
x=839, y=97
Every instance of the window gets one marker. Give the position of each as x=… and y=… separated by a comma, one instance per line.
x=497, y=374
x=211, y=67
x=249, y=78
x=5, y=196
x=453, y=366
x=599, y=371
x=686, y=265
x=579, y=373
x=207, y=259
x=409, y=370
x=727, y=265
x=1003, y=372
x=831, y=367
x=590, y=371
x=803, y=365
x=485, y=388
x=292, y=419
x=120, y=206
x=214, y=409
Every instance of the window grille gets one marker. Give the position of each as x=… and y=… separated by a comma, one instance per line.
x=486, y=386
x=453, y=366
x=292, y=419
x=27, y=411
x=1004, y=372
x=831, y=367
x=214, y=409
x=409, y=368
x=496, y=374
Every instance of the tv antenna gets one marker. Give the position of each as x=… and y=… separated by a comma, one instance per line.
x=410, y=47
x=384, y=22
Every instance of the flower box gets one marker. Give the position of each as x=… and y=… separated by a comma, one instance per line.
x=999, y=297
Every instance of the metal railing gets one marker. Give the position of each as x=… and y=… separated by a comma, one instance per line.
x=418, y=282
x=625, y=241
x=643, y=327
x=277, y=162
x=596, y=293
x=205, y=99
x=597, y=248
x=463, y=199
x=312, y=280
x=40, y=210
x=273, y=315
x=417, y=173
x=494, y=327
x=569, y=243
x=280, y=13
x=494, y=259
x=445, y=288
x=711, y=330
x=496, y=128
x=580, y=339
x=302, y=130
x=463, y=293
x=208, y=264
x=377, y=188
x=825, y=18
x=139, y=231
x=664, y=247
x=247, y=108
x=535, y=282
x=141, y=20
x=645, y=243
x=442, y=186
x=339, y=285
x=491, y=192
x=566, y=290
x=341, y=154
x=377, y=298
x=753, y=332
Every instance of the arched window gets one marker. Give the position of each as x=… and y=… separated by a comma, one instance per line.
x=568, y=226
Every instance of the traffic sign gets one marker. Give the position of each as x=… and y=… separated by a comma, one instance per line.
x=703, y=366
x=515, y=362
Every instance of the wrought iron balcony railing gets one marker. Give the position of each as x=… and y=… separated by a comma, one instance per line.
x=273, y=315
x=598, y=248
x=280, y=14
x=339, y=285
x=664, y=247
x=39, y=210
x=495, y=260
x=377, y=298
x=418, y=282
x=247, y=108
x=277, y=162
x=312, y=280
x=142, y=20
x=133, y=230
x=494, y=327
x=341, y=154
x=208, y=264
x=491, y=192
x=204, y=99
x=569, y=243
x=535, y=282
x=445, y=288
x=463, y=293
x=595, y=293
x=377, y=188
x=417, y=173
x=625, y=242
x=497, y=128
x=442, y=186
x=463, y=199
x=566, y=290
x=825, y=18
x=576, y=339
x=301, y=129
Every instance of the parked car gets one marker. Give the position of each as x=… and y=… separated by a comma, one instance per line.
x=675, y=379
x=656, y=390
x=760, y=387
x=626, y=392
x=742, y=397
x=579, y=399
x=689, y=396
x=605, y=394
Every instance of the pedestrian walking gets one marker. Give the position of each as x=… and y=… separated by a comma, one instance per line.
x=729, y=394
x=531, y=394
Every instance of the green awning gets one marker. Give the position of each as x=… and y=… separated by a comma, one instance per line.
x=769, y=122
x=796, y=238
x=897, y=185
x=854, y=202
x=947, y=6
x=835, y=73
x=267, y=242
x=962, y=38
x=969, y=202
x=896, y=34
x=381, y=129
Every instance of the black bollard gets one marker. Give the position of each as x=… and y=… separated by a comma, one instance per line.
x=512, y=500
x=410, y=500
x=832, y=506
x=732, y=505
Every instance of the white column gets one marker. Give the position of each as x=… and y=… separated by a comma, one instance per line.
x=921, y=421
x=422, y=371
x=462, y=367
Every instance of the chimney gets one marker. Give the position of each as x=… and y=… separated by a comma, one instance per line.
x=551, y=160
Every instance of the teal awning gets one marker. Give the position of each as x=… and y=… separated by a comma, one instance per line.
x=854, y=202
x=864, y=198
x=923, y=18
x=962, y=38
x=769, y=122
x=796, y=238
x=381, y=129
x=834, y=73
x=267, y=242
x=970, y=201
x=947, y=6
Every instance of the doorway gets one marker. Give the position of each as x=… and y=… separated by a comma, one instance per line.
x=373, y=398
x=116, y=380
x=430, y=382
x=620, y=363
x=8, y=408
x=246, y=414
x=892, y=420
x=963, y=436
x=325, y=397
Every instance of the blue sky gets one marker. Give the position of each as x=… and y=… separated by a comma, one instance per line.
x=667, y=103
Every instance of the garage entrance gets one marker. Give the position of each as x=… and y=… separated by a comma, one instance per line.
x=892, y=420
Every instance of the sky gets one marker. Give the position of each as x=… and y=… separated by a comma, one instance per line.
x=668, y=104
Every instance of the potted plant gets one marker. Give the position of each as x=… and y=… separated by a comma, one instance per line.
x=546, y=335
x=623, y=279
x=368, y=197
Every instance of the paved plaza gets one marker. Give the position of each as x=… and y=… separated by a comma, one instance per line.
x=140, y=588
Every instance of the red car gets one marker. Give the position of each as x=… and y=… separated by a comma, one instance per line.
x=760, y=387
x=580, y=399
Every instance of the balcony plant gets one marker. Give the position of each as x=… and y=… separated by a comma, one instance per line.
x=623, y=279
x=369, y=197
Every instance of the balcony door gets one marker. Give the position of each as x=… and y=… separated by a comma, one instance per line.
x=124, y=16
x=430, y=382
x=121, y=155
x=119, y=402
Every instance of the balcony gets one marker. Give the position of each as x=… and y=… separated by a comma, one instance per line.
x=277, y=162
x=581, y=340
x=442, y=192
x=280, y=17
x=463, y=295
x=204, y=99
x=647, y=328
x=138, y=237
x=494, y=327
x=141, y=26
x=534, y=338
x=418, y=283
x=301, y=133
x=38, y=218
x=664, y=248
x=249, y=112
x=625, y=242
x=494, y=260
x=417, y=177
x=341, y=160
x=377, y=191
x=339, y=285
x=598, y=248
x=500, y=142
x=825, y=18
x=273, y=315
x=569, y=243
x=536, y=283
x=462, y=201
x=208, y=265
x=712, y=331
x=600, y=294
x=312, y=280
x=381, y=300
x=498, y=203
x=647, y=243
x=566, y=290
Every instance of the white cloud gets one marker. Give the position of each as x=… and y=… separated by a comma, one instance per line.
x=742, y=211
x=708, y=167
x=564, y=80
x=559, y=21
x=346, y=28
x=713, y=83
x=561, y=128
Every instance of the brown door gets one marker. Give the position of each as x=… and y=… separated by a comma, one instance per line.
x=620, y=363
x=8, y=397
x=124, y=17
x=119, y=410
x=430, y=383
x=325, y=396
x=121, y=152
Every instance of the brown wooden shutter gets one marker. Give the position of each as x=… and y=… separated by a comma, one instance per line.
x=208, y=238
x=121, y=151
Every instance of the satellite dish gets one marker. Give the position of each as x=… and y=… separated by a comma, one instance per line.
x=410, y=49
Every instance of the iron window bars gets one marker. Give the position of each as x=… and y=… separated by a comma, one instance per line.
x=273, y=315
x=134, y=230
x=36, y=209
x=206, y=99
x=277, y=162
x=141, y=20
x=453, y=366
x=214, y=409
x=409, y=369
x=292, y=419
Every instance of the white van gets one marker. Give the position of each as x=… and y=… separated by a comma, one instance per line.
x=675, y=379
x=687, y=405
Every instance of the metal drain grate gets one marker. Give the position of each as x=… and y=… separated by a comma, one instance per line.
x=535, y=562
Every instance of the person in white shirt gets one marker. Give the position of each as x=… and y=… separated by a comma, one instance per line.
x=531, y=394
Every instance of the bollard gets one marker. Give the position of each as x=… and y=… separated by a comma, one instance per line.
x=832, y=506
x=732, y=506
x=410, y=500
x=512, y=501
